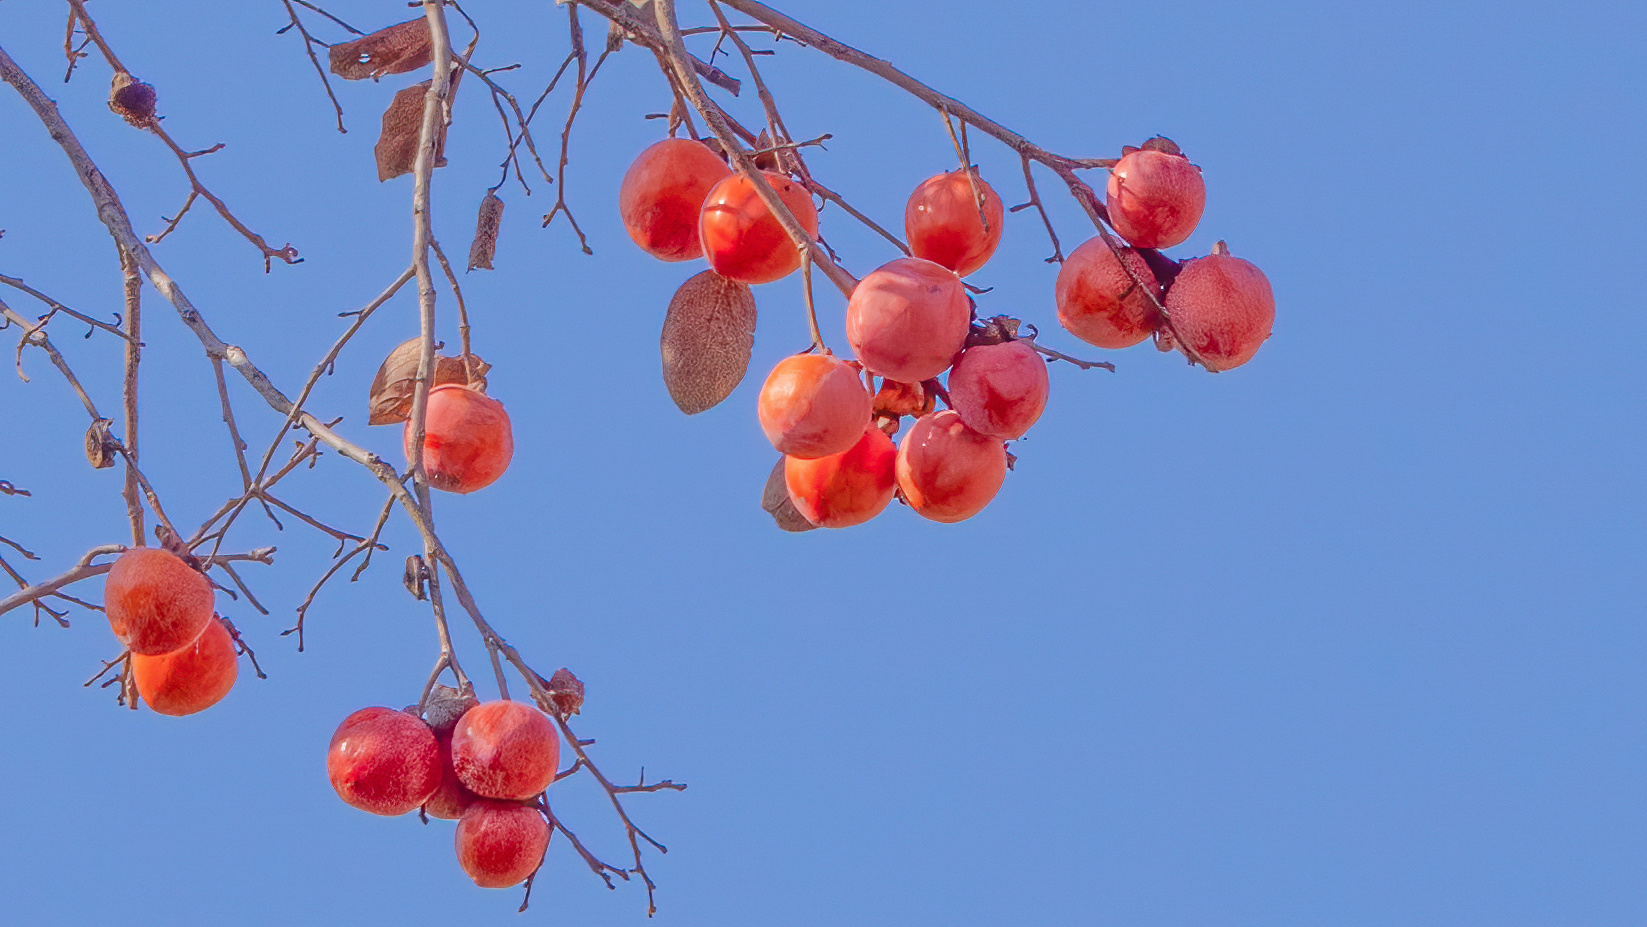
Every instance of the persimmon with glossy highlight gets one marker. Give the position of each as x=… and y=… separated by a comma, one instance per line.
x=1155, y=195
x=813, y=405
x=1098, y=302
x=1222, y=307
x=908, y=319
x=383, y=761
x=662, y=196
x=500, y=843
x=742, y=239
x=504, y=749
x=190, y=679
x=844, y=489
x=999, y=390
x=155, y=602
x=467, y=441
x=947, y=471
x=945, y=225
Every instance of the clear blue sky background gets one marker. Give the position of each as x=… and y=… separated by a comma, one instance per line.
x=1352, y=635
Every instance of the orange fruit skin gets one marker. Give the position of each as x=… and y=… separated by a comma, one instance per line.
x=999, y=390
x=505, y=750
x=844, y=489
x=947, y=471
x=467, y=441
x=908, y=319
x=1098, y=303
x=813, y=405
x=1155, y=199
x=663, y=193
x=1223, y=308
x=500, y=843
x=155, y=602
x=742, y=239
x=383, y=761
x=942, y=223
x=191, y=679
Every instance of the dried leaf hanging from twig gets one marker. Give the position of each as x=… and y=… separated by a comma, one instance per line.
x=132, y=100
x=396, y=148
x=396, y=381
x=393, y=50
x=485, y=245
x=707, y=339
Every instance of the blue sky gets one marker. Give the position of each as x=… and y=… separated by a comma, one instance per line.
x=1350, y=635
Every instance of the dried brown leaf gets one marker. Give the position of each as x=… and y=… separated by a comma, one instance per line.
x=775, y=500
x=707, y=339
x=485, y=245
x=100, y=446
x=132, y=100
x=393, y=50
x=390, y=402
x=416, y=577
x=445, y=706
x=396, y=148
x=565, y=691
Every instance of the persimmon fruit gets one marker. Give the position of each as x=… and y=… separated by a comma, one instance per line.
x=192, y=678
x=500, y=843
x=908, y=319
x=999, y=390
x=1222, y=307
x=1155, y=195
x=742, y=239
x=662, y=195
x=813, y=405
x=467, y=442
x=155, y=602
x=505, y=750
x=945, y=224
x=947, y=471
x=844, y=489
x=1098, y=302
x=383, y=761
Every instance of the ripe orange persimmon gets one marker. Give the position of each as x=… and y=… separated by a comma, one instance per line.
x=999, y=390
x=507, y=750
x=500, y=843
x=844, y=489
x=908, y=319
x=663, y=193
x=742, y=239
x=1155, y=195
x=943, y=224
x=191, y=679
x=813, y=405
x=467, y=443
x=383, y=761
x=1098, y=302
x=155, y=602
x=947, y=471
x=1222, y=306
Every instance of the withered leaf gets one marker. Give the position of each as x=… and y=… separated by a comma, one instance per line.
x=416, y=577
x=485, y=245
x=566, y=691
x=393, y=50
x=775, y=500
x=132, y=100
x=445, y=706
x=100, y=445
x=396, y=148
x=391, y=398
x=708, y=335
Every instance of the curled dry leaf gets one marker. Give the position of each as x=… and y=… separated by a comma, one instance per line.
x=566, y=691
x=100, y=445
x=396, y=148
x=416, y=577
x=485, y=245
x=396, y=381
x=775, y=500
x=392, y=50
x=707, y=339
x=445, y=706
x=132, y=100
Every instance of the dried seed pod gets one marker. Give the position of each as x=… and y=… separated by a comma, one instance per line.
x=566, y=691
x=100, y=445
x=485, y=245
x=392, y=50
x=390, y=402
x=396, y=149
x=707, y=338
x=132, y=100
x=776, y=502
